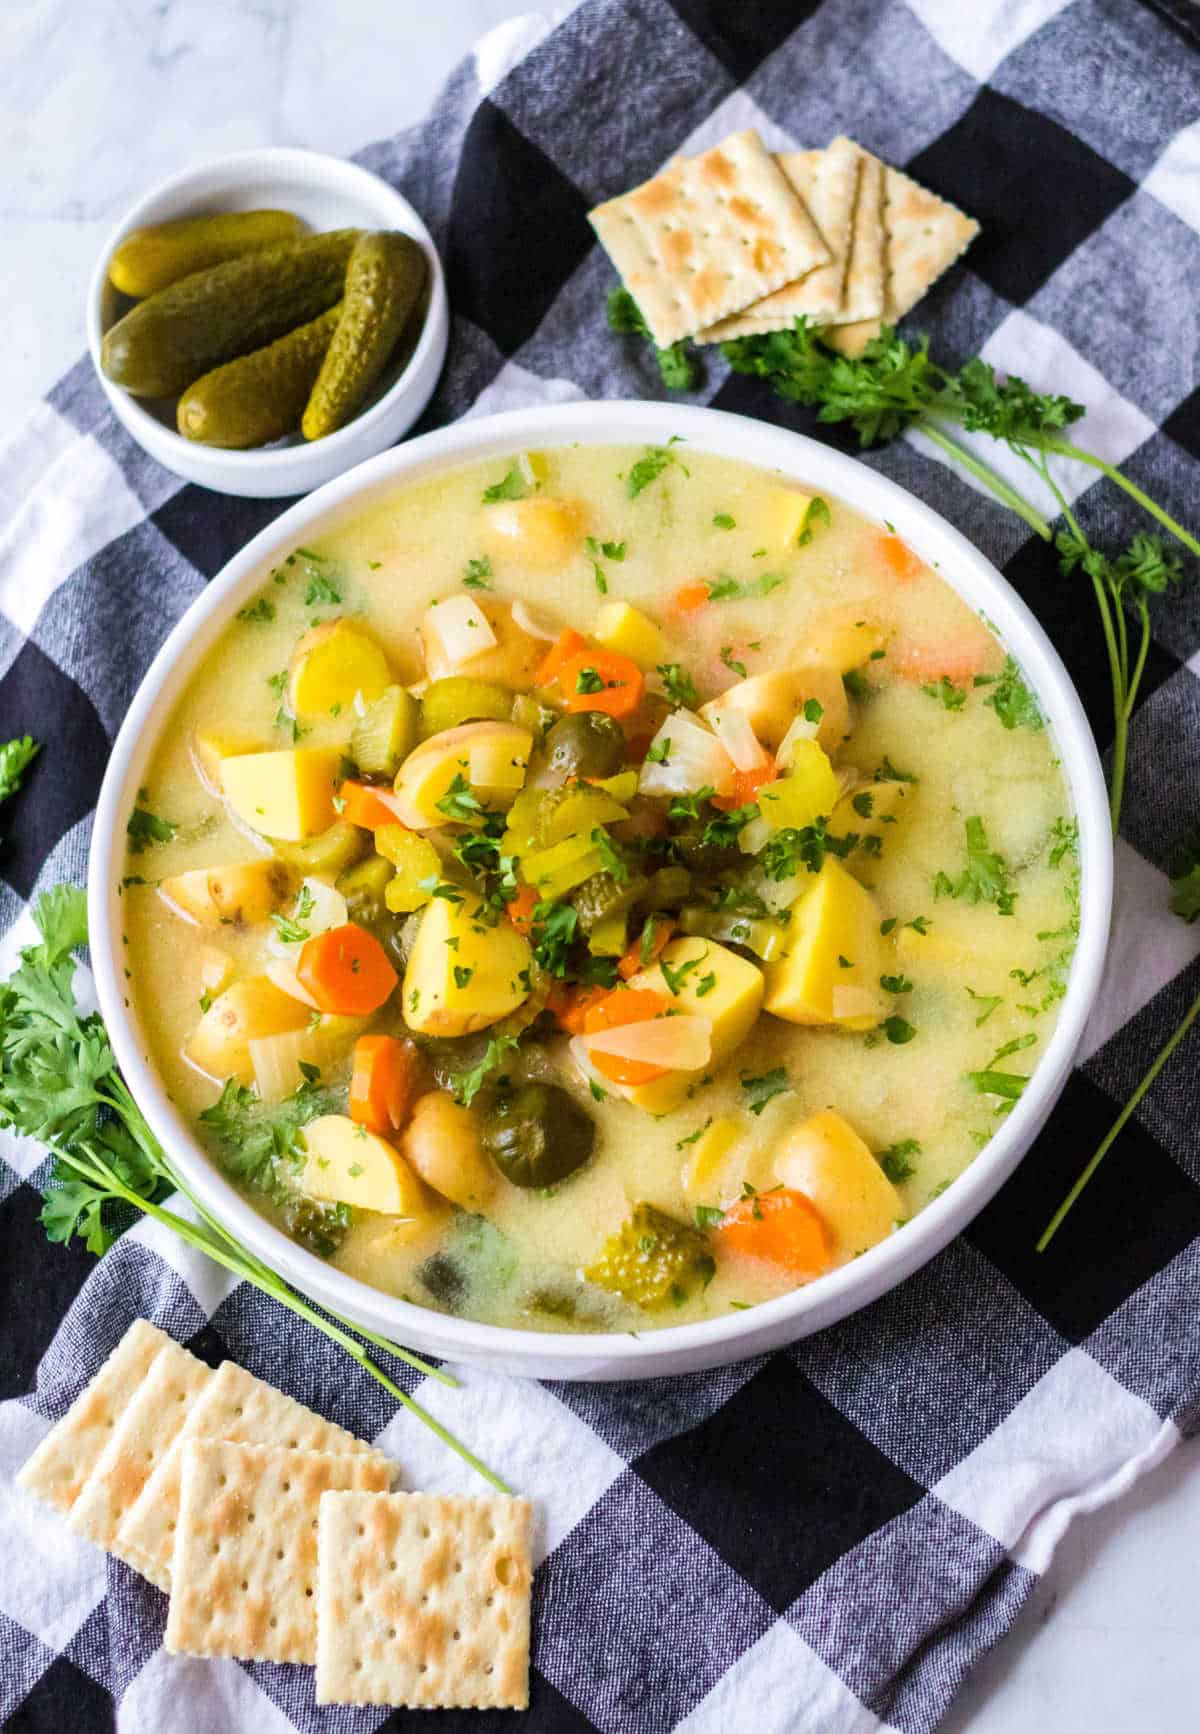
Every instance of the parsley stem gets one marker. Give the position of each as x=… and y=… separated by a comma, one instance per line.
x=1118, y=1126
x=1065, y=449
x=988, y=476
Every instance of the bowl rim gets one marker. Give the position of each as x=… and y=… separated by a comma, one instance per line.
x=336, y=174
x=844, y=1290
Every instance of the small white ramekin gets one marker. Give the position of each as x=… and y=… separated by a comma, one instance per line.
x=328, y=193
x=676, y=1348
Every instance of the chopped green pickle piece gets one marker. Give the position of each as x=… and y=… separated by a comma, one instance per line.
x=652, y=1260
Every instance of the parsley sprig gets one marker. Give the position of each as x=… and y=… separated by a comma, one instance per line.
x=59, y=1084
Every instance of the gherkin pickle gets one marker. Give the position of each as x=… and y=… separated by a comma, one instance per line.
x=538, y=1134
x=652, y=1259
x=384, y=280
x=588, y=744
x=260, y=396
x=459, y=699
x=159, y=254
x=386, y=733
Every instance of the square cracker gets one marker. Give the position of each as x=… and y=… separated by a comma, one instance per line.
x=235, y=1405
x=707, y=236
x=828, y=182
x=923, y=236
x=244, y=1570
x=141, y=1437
x=57, y=1470
x=423, y=1601
x=864, y=291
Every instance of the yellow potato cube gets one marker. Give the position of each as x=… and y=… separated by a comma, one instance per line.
x=731, y=1001
x=208, y=747
x=286, y=794
x=843, y=645
x=809, y=790
x=491, y=756
x=707, y=1159
x=830, y=968
x=237, y=894
x=542, y=532
x=785, y=515
x=627, y=631
x=825, y=1158
x=774, y=701
x=332, y=665
x=463, y=975
x=349, y=1165
x=246, y=1012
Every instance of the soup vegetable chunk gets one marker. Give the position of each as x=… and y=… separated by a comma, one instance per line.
x=600, y=889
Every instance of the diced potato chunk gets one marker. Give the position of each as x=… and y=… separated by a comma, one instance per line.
x=774, y=701
x=706, y=1161
x=834, y=920
x=784, y=516
x=463, y=975
x=209, y=747
x=825, y=1158
x=622, y=628
x=286, y=794
x=842, y=645
x=246, y=1012
x=491, y=756
x=512, y=660
x=349, y=1165
x=809, y=791
x=442, y=1143
x=541, y=532
x=241, y=892
x=731, y=1002
x=332, y=665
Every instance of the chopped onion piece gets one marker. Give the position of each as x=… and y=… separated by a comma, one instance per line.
x=680, y=1044
x=753, y=837
x=695, y=759
x=531, y=622
x=854, y=1002
x=454, y=631
x=277, y=1061
x=799, y=729
x=736, y=734
x=282, y=971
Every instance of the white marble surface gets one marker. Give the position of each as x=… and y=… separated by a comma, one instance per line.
x=100, y=98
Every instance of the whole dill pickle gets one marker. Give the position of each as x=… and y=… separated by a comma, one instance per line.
x=151, y=258
x=260, y=396
x=170, y=339
x=384, y=279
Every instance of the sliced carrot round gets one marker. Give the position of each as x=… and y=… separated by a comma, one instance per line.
x=625, y=1005
x=689, y=598
x=746, y=785
x=346, y=971
x=520, y=907
x=898, y=559
x=783, y=1228
x=365, y=806
x=601, y=680
x=567, y=644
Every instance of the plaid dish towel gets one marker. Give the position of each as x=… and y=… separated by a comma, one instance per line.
x=828, y=1538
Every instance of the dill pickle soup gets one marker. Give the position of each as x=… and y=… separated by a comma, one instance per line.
x=600, y=890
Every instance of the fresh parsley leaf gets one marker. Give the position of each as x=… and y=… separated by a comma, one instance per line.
x=146, y=828
x=723, y=521
x=675, y=978
x=887, y=773
x=708, y=1216
x=257, y=613
x=290, y=928
x=648, y=468
x=727, y=589
x=1012, y=700
x=818, y=513
x=15, y=756
x=678, y=685
x=786, y=852
x=761, y=1090
x=513, y=486
x=460, y=802
x=477, y=574
x=462, y=975
x=679, y=370
x=863, y=804
x=985, y=877
x=555, y=929
x=898, y=1030
x=895, y=984
x=895, y=1160
x=950, y=697
x=467, y=1084
x=731, y=662
x=659, y=751
x=1009, y=1085
x=611, y=857
x=321, y=592
x=989, y=1002
x=588, y=681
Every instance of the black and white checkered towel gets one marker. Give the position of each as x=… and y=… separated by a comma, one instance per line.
x=828, y=1538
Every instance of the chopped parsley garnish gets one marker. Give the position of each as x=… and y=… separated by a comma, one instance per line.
x=477, y=574
x=659, y=752
x=731, y=662
x=895, y=1160
x=467, y=1085
x=709, y=1216
x=705, y=984
x=675, y=978
x=989, y=1002
x=555, y=929
x=863, y=804
x=289, y=928
x=678, y=685
x=679, y=370
x=984, y=879
x=321, y=592
x=588, y=681
x=895, y=984
x=898, y=1030
x=887, y=773
x=257, y=613
x=460, y=802
x=723, y=521
x=462, y=975
x=818, y=513
x=727, y=589
x=1011, y=699
x=648, y=468
x=761, y=1090
x=1016, y=1046
x=612, y=860
x=15, y=757
x=787, y=851
x=950, y=697
x=1009, y=1085
x=146, y=828
x=512, y=487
